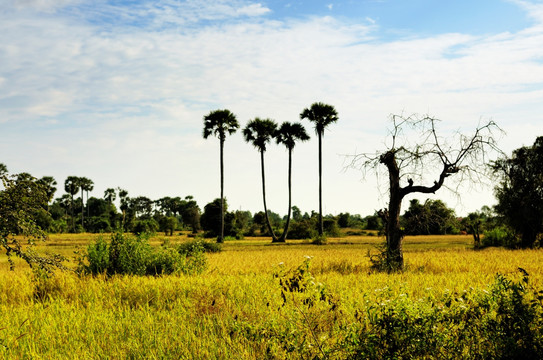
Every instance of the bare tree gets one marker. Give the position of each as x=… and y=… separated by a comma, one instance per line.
x=410, y=164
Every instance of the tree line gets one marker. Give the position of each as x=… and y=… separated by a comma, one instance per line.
x=518, y=188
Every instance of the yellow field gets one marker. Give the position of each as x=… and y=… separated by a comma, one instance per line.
x=235, y=308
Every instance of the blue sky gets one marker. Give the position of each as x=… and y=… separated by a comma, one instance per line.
x=116, y=90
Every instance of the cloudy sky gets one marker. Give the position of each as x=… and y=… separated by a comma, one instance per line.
x=116, y=90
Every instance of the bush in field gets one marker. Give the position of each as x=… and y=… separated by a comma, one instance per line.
x=502, y=323
x=145, y=226
x=499, y=236
x=303, y=229
x=130, y=255
x=190, y=247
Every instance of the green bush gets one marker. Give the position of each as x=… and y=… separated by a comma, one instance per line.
x=504, y=322
x=499, y=236
x=145, y=226
x=303, y=229
x=190, y=247
x=135, y=256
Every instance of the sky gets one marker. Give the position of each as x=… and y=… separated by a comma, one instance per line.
x=116, y=91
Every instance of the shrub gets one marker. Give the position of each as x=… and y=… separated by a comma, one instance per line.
x=145, y=226
x=499, y=236
x=303, y=229
x=188, y=248
x=135, y=256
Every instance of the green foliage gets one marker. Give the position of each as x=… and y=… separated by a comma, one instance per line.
x=304, y=229
x=520, y=192
x=190, y=247
x=23, y=203
x=431, y=218
x=499, y=236
x=504, y=322
x=145, y=226
x=135, y=256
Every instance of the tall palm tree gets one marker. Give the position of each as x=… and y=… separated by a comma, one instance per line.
x=287, y=135
x=71, y=186
x=322, y=115
x=260, y=132
x=220, y=123
x=86, y=185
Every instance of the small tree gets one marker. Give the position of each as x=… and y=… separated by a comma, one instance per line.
x=20, y=200
x=71, y=186
x=429, y=156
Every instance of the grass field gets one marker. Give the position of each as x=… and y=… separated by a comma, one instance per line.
x=238, y=308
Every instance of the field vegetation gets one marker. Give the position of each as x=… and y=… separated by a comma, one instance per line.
x=258, y=300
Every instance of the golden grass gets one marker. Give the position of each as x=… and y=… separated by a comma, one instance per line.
x=192, y=317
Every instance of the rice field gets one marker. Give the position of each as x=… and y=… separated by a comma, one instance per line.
x=238, y=308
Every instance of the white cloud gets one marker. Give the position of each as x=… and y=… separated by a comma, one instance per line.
x=124, y=105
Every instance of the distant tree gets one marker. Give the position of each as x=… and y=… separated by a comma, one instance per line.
x=125, y=205
x=431, y=155
x=211, y=217
x=71, y=186
x=321, y=115
x=432, y=217
x=520, y=191
x=287, y=135
x=190, y=213
x=260, y=132
x=296, y=213
x=220, y=123
x=110, y=195
x=143, y=206
x=48, y=183
x=86, y=185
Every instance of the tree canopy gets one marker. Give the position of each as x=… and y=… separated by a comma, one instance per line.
x=520, y=191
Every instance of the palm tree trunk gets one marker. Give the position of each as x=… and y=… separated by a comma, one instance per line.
x=285, y=231
x=270, y=229
x=220, y=239
x=72, y=212
x=82, y=209
x=321, y=227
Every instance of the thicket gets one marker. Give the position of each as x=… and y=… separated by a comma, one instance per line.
x=504, y=321
x=133, y=255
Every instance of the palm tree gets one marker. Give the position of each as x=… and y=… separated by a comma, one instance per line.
x=86, y=185
x=287, y=135
x=259, y=132
x=322, y=115
x=71, y=186
x=109, y=195
x=220, y=123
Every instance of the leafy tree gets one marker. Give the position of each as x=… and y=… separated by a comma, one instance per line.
x=220, y=123
x=429, y=155
x=287, y=135
x=321, y=115
x=20, y=200
x=3, y=169
x=260, y=132
x=211, y=217
x=190, y=213
x=431, y=218
x=520, y=191
x=71, y=186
